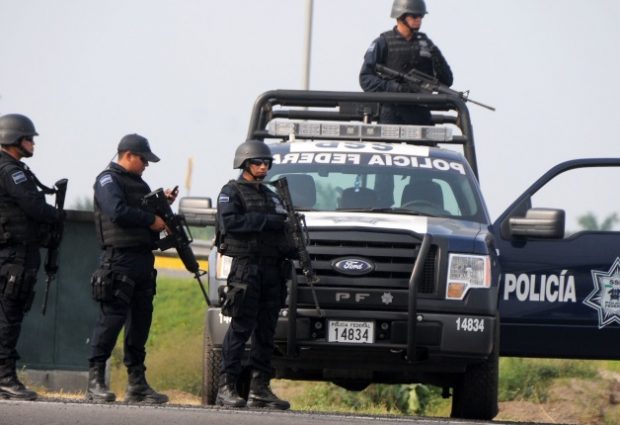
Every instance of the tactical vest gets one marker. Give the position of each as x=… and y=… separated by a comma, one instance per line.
x=264, y=244
x=15, y=225
x=112, y=235
x=403, y=55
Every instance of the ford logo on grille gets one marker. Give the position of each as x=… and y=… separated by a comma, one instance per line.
x=354, y=266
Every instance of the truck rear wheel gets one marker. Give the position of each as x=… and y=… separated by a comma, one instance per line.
x=211, y=361
x=475, y=393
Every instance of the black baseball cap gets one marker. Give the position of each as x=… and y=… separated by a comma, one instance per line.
x=137, y=144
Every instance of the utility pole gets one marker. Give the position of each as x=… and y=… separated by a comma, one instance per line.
x=308, y=45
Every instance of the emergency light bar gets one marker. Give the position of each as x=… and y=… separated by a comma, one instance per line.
x=357, y=131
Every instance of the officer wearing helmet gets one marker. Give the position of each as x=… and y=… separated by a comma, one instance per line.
x=404, y=48
x=251, y=229
x=124, y=284
x=25, y=220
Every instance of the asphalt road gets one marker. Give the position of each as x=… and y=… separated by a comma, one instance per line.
x=80, y=413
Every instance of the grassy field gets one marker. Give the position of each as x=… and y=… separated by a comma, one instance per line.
x=530, y=389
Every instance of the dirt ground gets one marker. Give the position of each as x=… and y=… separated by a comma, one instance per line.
x=571, y=401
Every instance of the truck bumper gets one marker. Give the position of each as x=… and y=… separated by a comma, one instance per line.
x=439, y=337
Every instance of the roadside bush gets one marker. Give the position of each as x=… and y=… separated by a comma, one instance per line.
x=529, y=379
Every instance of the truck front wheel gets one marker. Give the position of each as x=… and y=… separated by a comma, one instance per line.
x=212, y=359
x=475, y=392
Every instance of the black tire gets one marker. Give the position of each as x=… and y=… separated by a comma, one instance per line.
x=475, y=393
x=211, y=362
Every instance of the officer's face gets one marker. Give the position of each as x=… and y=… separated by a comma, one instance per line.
x=136, y=163
x=413, y=21
x=258, y=168
x=28, y=146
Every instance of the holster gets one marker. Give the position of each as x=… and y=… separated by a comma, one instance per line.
x=106, y=285
x=234, y=293
x=17, y=283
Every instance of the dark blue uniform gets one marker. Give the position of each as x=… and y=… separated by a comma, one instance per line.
x=251, y=218
x=394, y=51
x=24, y=216
x=127, y=242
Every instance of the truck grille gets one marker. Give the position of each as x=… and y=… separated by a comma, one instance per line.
x=392, y=253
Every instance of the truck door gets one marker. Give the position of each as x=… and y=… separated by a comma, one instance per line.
x=559, y=252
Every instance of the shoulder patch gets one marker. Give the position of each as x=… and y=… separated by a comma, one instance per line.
x=105, y=179
x=371, y=48
x=19, y=177
x=223, y=199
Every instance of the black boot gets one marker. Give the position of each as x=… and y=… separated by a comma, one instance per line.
x=139, y=391
x=10, y=386
x=227, y=394
x=97, y=389
x=262, y=396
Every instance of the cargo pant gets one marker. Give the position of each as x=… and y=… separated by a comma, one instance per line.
x=134, y=311
x=257, y=315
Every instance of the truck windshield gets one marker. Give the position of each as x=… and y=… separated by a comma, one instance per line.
x=373, y=183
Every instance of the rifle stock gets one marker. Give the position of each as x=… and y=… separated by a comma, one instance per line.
x=53, y=246
x=178, y=235
x=427, y=83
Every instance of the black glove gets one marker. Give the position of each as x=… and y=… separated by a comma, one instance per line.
x=275, y=222
x=408, y=87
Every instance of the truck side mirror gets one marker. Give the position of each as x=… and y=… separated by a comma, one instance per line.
x=197, y=211
x=539, y=223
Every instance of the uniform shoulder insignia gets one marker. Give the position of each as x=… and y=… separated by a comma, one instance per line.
x=19, y=177
x=105, y=179
x=223, y=198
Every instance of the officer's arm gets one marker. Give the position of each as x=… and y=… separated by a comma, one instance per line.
x=441, y=69
x=28, y=197
x=111, y=200
x=370, y=81
x=233, y=217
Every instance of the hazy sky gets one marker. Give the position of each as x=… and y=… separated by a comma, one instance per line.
x=185, y=74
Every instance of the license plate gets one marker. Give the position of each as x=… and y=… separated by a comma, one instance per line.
x=351, y=332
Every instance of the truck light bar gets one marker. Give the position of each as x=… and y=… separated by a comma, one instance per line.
x=357, y=131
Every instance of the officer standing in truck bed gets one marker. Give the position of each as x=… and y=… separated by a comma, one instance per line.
x=404, y=48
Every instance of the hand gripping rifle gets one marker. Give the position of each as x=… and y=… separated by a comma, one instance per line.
x=427, y=83
x=53, y=245
x=177, y=236
x=296, y=224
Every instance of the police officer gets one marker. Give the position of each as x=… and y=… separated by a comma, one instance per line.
x=251, y=221
x=24, y=218
x=402, y=49
x=124, y=283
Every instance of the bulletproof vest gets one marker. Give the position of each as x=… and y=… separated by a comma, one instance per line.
x=112, y=235
x=15, y=225
x=265, y=244
x=403, y=55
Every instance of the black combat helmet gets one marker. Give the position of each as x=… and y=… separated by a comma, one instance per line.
x=249, y=150
x=415, y=7
x=15, y=126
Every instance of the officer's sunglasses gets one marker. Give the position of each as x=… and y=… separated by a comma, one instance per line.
x=414, y=15
x=260, y=161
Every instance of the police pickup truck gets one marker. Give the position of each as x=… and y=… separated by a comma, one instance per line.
x=416, y=283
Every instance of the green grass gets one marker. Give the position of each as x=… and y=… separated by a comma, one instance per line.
x=174, y=347
x=174, y=362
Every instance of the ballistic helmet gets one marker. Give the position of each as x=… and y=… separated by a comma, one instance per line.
x=249, y=150
x=415, y=7
x=15, y=126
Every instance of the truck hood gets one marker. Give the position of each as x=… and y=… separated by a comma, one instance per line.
x=419, y=224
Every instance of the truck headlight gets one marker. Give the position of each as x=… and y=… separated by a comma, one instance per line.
x=467, y=271
x=223, y=266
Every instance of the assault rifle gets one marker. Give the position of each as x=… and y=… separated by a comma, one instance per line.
x=296, y=224
x=53, y=244
x=177, y=236
x=427, y=83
